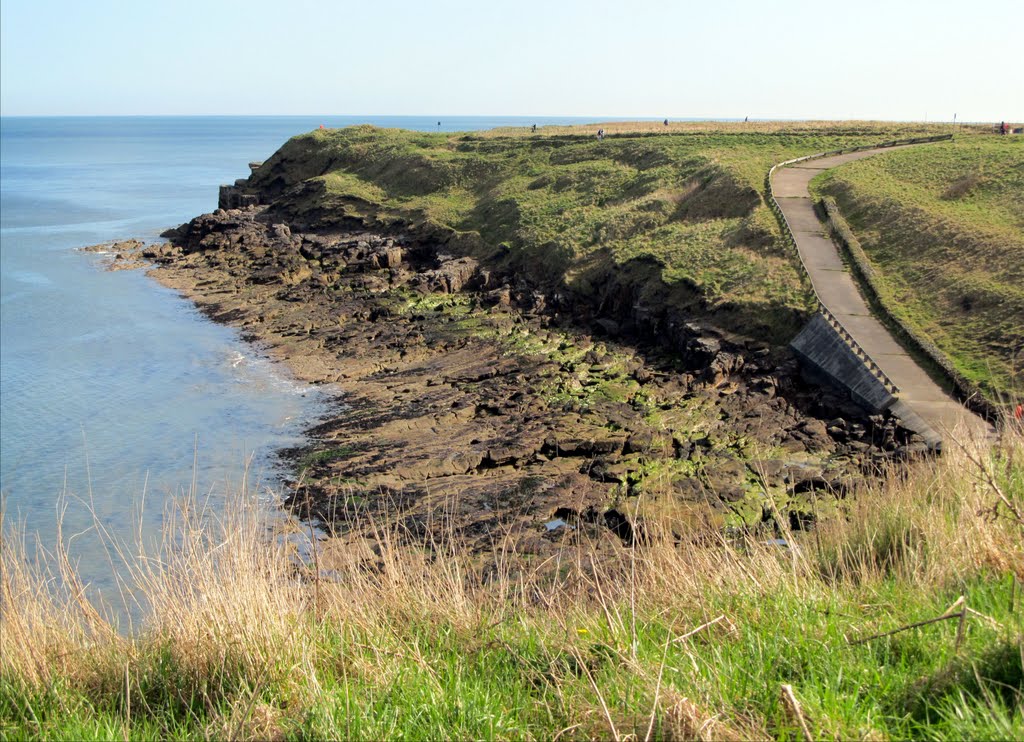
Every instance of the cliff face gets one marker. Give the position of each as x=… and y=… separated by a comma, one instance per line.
x=647, y=229
x=665, y=215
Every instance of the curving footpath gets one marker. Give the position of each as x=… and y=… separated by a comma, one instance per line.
x=919, y=399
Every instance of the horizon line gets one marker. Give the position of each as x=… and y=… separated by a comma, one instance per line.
x=596, y=118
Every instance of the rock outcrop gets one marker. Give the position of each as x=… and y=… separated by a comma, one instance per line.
x=477, y=406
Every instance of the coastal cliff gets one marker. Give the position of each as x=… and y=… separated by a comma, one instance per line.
x=554, y=508
x=524, y=384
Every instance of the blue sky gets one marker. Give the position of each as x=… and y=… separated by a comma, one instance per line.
x=888, y=60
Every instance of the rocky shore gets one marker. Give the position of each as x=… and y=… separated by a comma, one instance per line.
x=476, y=405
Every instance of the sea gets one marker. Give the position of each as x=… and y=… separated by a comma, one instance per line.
x=116, y=395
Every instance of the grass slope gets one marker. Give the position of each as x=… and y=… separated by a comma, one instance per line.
x=691, y=636
x=944, y=226
x=687, y=199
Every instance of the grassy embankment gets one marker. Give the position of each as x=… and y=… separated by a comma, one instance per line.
x=944, y=226
x=696, y=639
x=686, y=200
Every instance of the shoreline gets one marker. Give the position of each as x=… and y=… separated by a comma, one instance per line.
x=476, y=396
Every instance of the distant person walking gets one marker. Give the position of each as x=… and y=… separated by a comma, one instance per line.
x=534, y=129
x=666, y=122
x=600, y=135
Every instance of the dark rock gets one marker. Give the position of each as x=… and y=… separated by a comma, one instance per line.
x=619, y=524
x=722, y=476
x=452, y=276
x=649, y=442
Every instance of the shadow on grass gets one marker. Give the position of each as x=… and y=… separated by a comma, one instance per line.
x=993, y=678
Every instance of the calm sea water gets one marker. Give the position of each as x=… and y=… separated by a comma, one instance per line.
x=110, y=384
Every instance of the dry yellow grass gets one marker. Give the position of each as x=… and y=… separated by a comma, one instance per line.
x=221, y=582
x=234, y=619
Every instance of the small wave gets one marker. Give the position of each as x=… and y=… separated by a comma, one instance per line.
x=265, y=375
x=274, y=374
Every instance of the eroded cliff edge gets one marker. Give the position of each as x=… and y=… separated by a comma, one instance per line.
x=494, y=401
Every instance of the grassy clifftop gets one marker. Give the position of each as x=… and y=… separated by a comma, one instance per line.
x=944, y=225
x=568, y=208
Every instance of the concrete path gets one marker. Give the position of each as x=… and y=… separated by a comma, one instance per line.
x=919, y=395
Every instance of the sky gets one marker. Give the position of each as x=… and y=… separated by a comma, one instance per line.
x=895, y=60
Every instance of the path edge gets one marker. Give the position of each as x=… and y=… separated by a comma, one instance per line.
x=969, y=393
x=888, y=395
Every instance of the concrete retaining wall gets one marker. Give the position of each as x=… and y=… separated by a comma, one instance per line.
x=236, y=197
x=239, y=196
x=821, y=346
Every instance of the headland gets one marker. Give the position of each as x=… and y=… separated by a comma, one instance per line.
x=535, y=333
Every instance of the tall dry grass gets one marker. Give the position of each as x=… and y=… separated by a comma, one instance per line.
x=227, y=598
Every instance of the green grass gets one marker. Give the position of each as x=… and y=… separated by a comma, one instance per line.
x=693, y=639
x=560, y=205
x=944, y=226
x=524, y=676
